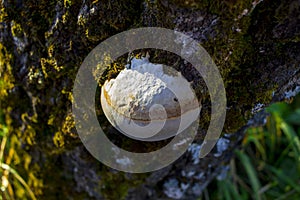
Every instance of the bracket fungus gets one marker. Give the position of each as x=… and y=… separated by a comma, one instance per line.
x=149, y=102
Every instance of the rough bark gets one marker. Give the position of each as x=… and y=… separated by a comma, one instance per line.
x=255, y=45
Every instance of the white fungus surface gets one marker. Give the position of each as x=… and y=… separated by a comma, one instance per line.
x=146, y=84
x=149, y=101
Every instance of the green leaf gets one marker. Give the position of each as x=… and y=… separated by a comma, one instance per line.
x=280, y=109
x=282, y=176
x=294, y=118
x=293, y=138
x=3, y=131
x=251, y=173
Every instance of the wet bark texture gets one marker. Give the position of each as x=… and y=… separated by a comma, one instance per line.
x=255, y=45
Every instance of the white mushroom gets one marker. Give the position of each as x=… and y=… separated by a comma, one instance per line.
x=149, y=102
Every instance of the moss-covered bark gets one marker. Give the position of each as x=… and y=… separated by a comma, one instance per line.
x=255, y=45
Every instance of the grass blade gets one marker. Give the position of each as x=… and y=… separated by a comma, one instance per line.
x=250, y=172
x=284, y=178
x=19, y=178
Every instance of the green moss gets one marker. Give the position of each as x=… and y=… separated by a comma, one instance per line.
x=14, y=155
x=111, y=190
x=67, y=3
x=58, y=139
x=194, y=4
x=6, y=78
x=58, y=61
x=16, y=30
x=42, y=99
x=235, y=52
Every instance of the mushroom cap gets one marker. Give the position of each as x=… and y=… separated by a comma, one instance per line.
x=149, y=102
